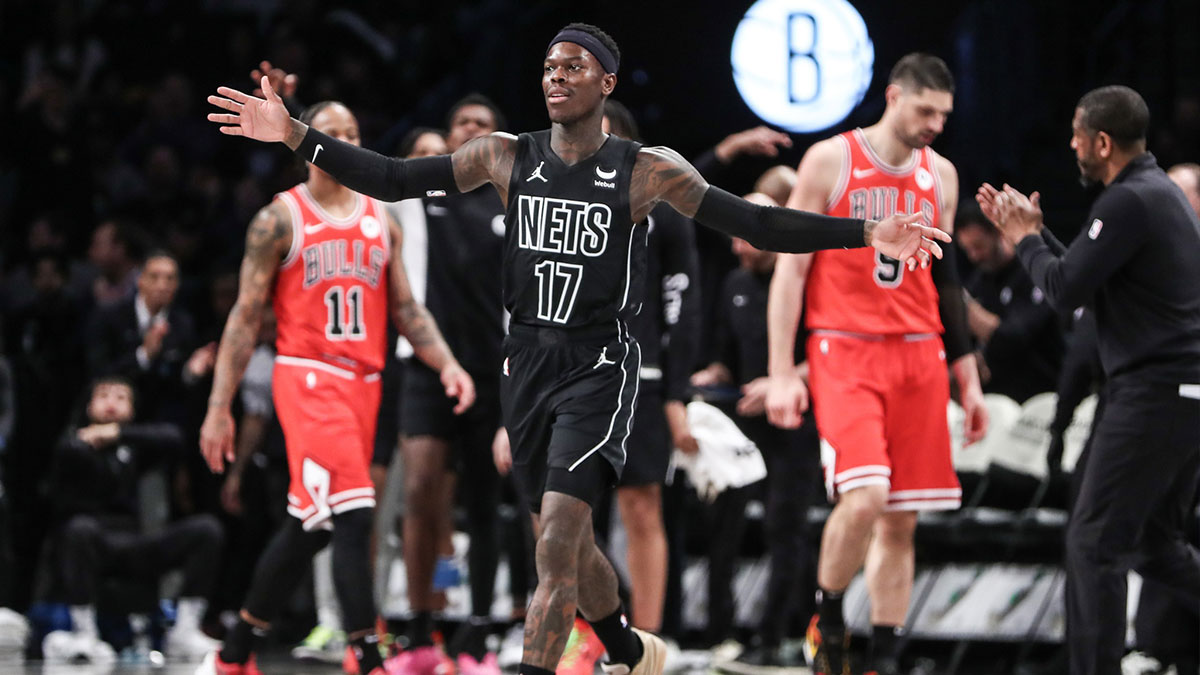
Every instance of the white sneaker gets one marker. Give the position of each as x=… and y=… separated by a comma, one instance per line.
x=512, y=649
x=322, y=644
x=14, y=630
x=62, y=646
x=654, y=656
x=1141, y=663
x=188, y=643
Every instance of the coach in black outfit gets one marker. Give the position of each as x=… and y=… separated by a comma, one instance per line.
x=1135, y=265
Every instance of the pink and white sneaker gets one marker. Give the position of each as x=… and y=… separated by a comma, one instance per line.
x=431, y=660
x=467, y=665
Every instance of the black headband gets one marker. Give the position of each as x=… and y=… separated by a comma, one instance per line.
x=607, y=59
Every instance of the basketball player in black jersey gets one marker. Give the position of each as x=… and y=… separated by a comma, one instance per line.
x=573, y=254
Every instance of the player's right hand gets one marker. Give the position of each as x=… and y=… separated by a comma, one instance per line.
x=263, y=120
x=787, y=399
x=458, y=385
x=216, y=438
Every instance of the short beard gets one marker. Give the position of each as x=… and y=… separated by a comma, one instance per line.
x=1084, y=179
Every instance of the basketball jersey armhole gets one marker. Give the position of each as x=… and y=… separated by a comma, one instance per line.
x=938, y=193
x=524, y=142
x=297, y=229
x=385, y=221
x=839, y=189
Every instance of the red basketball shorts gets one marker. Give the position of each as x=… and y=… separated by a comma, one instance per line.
x=328, y=415
x=880, y=403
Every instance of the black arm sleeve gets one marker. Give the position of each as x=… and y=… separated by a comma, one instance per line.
x=773, y=228
x=951, y=306
x=160, y=438
x=387, y=178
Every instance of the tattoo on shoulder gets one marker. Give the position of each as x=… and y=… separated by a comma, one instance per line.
x=270, y=233
x=485, y=159
x=661, y=174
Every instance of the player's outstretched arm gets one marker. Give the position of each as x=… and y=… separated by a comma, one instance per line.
x=267, y=242
x=418, y=326
x=362, y=170
x=661, y=174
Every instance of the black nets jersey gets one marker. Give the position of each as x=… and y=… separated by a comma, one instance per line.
x=574, y=256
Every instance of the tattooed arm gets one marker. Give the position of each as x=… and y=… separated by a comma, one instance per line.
x=267, y=243
x=661, y=174
x=416, y=324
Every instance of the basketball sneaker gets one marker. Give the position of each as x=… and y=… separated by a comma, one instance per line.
x=430, y=660
x=582, y=652
x=827, y=654
x=654, y=657
x=213, y=665
x=322, y=644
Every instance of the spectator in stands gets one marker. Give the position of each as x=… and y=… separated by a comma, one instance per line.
x=791, y=457
x=114, y=255
x=151, y=341
x=1019, y=334
x=100, y=516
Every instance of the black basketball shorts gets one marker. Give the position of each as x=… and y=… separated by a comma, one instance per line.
x=568, y=398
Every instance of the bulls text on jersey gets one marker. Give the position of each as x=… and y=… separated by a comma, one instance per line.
x=331, y=260
x=877, y=203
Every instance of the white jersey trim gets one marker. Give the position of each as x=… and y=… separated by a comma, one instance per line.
x=843, y=181
x=319, y=365
x=899, y=171
x=297, y=229
x=613, y=420
x=360, y=207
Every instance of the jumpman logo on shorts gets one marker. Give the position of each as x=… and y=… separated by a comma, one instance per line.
x=537, y=173
x=604, y=359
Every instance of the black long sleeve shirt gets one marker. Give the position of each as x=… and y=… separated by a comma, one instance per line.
x=668, y=326
x=1135, y=264
x=1026, y=351
x=103, y=481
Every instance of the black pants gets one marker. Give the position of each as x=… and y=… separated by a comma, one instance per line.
x=1166, y=628
x=793, y=470
x=792, y=459
x=1130, y=514
x=91, y=552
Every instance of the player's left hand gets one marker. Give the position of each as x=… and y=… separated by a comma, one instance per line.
x=975, y=422
x=459, y=385
x=263, y=119
x=900, y=236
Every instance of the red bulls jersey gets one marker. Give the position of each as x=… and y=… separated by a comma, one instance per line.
x=331, y=293
x=861, y=290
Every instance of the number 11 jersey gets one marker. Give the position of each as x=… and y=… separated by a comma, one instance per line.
x=331, y=293
x=860, y=290
x=573, y=255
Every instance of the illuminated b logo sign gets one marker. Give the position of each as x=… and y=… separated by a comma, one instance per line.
x=802, y=64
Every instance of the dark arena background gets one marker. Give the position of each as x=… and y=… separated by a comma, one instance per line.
x=106, y=158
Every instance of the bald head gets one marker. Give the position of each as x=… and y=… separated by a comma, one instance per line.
x=1187, y=177
x=776, y=183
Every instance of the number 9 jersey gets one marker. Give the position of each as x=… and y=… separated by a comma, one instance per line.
x=860, y=290
x=331, y=293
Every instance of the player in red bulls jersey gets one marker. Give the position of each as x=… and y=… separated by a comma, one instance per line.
x=328, y=259
x=877, y=357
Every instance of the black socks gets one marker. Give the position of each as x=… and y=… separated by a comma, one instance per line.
x=618, y=638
